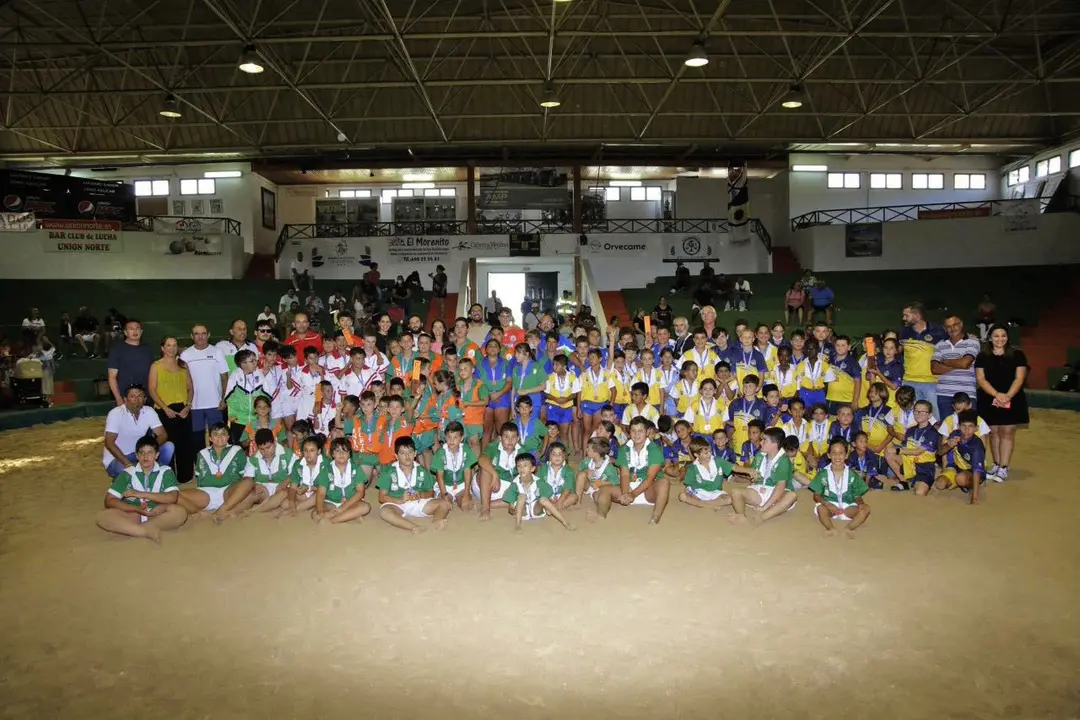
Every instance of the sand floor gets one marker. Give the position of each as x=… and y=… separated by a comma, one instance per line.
x=938, y=609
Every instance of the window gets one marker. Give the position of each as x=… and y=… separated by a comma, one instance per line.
x=147, y=188
x=1041, y=168
x=405, y=192
x=637, y=194
x=431, y=192
x=1014, y=178
x=1074, y=158
x=202, y=186
x=652, y=193
x=1055, y=164
x=1025, y=173
x=354, y=193
x=886, y=181
x=387, y=195
x=969, y=181
x=846, y=181
x=611, y=194
x=447, y=192
x=927, y=181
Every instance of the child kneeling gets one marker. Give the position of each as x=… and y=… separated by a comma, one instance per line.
x=838, y=491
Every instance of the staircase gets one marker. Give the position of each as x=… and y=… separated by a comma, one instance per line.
x=261, y=267
x=1047, y=344
x=784, y=261
x=612, y=302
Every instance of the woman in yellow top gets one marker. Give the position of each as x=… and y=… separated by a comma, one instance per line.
x=171, y=390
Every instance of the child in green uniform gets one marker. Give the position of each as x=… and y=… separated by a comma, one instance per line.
x=640, y=480
x=220, y=483
x=270, y=467
x=597, y=469
x=496, y=469
x=141, y=502
x=453, y=467
x=704, y=479
x=339, y=492
x=407, y=490
x=772, y=490
x=305, y=476
x=530, y=497
x=838, y=492
x=243, y=386
x=558, y=474
x=531, y=430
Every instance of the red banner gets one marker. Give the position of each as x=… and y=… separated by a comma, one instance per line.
x=954, y=213
x=88, y=225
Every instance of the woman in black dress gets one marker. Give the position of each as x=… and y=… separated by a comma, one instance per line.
x=1000, y=371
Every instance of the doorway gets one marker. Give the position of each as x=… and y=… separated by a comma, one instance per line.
x=509, y=287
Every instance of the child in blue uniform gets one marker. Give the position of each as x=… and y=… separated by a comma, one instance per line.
x=866, y=463
x=965, y=458
x=914, y=460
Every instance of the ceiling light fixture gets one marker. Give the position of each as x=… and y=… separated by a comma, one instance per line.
x=697, y=56
x=222, y=174
x=549, y=99
x=171, y=108
x=794, y=97
x=249, y=61
x=809, y=168
x=418, y=185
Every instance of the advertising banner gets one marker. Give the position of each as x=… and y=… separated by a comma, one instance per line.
x=189, y=226
x=525, y=189
x=691, y=248
x=862, y=240
x=17, y=221
x=953, y=213
x=615, y=244
x=42, y=194
x=81, y=236
x=102, y=199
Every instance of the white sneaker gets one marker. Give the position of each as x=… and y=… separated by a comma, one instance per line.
x=992, y=470
x=1001, y=475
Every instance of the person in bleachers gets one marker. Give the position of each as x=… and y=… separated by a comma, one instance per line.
x=301, y=273
x=112, y=327
x=288, y=318
x=740, y=294
x=662, y=314
x=287, y=300
x=707, y=275
x=794, y=300
x=531, y=318
x=492, y=307
x=66, y=336
x=267, y=315
x=682, y=278
x=314, y=304
x=703, y=296
x=821, y=300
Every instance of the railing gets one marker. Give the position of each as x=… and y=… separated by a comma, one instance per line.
x=897, y=213
x=196, y=224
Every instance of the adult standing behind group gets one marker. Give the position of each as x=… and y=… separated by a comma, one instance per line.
x=953, y=363
x=919, y=340
x=1000, y=371
x=172, y=392
x=209, y=373
x=302, y=336
x=237, y=341
x=129, y=362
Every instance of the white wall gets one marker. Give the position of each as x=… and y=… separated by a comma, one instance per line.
x=240, y=196
x=706, y=198
x=807, y=191
x=616, y=268
x=970, y=242
x=1070, y=175
x=139, y=256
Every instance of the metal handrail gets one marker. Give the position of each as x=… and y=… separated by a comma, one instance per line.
x=897, y=213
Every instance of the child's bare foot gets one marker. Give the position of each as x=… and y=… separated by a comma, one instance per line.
x=829, y=533
x=202, y=515
x=737, y=519
x=592, y=516
x=571, y=527
x=654, y=520
x=153, y=535
x=439, y=525
x=849, y=533
x=417, y=530
x=485, y=515
x=518, y=530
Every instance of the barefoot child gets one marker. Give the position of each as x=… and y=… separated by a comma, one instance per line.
x=261, y=421
x=706, y=413
x=799, y=475
x=270, y=466
x=704, y=479
x=141, y=502
x=866, y=463
x=838, y=491
x=965, y=458
x=640, y=479
x=561, y=393
x=914, y=462
x=339, y=493
x=639, y=406
x=559, y=476
x=220, y=480
x=407, y=491
x=530, y=497
x=453, y=467
x=754, y=430
x=677, y=457
x=597, y=469
x=741, y=411
x=771, y=490
x=496, y=469
x=300, y=492
x=531, y=430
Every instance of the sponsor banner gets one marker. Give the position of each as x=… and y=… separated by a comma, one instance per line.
x=953, y=213
x=525, y=245
x=17, y=221
x=81, y=236
x=1020, y=216
x=189, y=226
x=40, y=193
x=103, y=199
x=419, y=249
x=862, y=240
x=624, y=245
x=692, y=248
x=505, y=197
x=738, y=214
x=189, y=244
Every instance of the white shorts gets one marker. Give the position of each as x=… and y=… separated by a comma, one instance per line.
x=270, y=488
x=216, y=495
x=705, y=495
x=284, y=406
x=841, y=505
x=451, y=492
x=411, y=508
x=88, y=337
x=765, y=492
x=640, y=499
x=331, y=502
x=496, y=494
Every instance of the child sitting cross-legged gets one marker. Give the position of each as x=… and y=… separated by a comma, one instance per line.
x=838, y=492
x=704, y=478
x=530, y=497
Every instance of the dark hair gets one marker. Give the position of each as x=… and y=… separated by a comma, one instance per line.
x=837, y=440
x=146, y=441
x=454, y=427
x=756, y=423
x=791, y=442
x=264, y=436
x=218, y=426
x=968, y=416
x=404, y=442
x=988, y=348
x=776, y=435
x=243, y=356
x=340, y=444
x=525, y=456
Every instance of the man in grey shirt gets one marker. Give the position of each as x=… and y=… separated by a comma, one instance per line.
x=129, y=362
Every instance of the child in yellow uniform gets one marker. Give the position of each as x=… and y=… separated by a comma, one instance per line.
x=639, y=406
x=701, y=354
x=784, y=375
x=686, y=388
x=844, y=375
x=811, y=374
x=560, y=394
x=744, y=409
x=875, y=419
x=727, y=387
x=798, y=425
x=621, y=378
x=818, y=435
x=595, y=383
x=762, y=341
x=706, y=413
x=651, y=376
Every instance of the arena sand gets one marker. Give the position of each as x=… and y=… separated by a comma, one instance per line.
x=937, y=610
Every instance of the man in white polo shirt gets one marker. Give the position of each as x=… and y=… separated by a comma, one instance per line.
x=124, y=425
x=237, y=341
x=953, y=363
x=209, y=374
